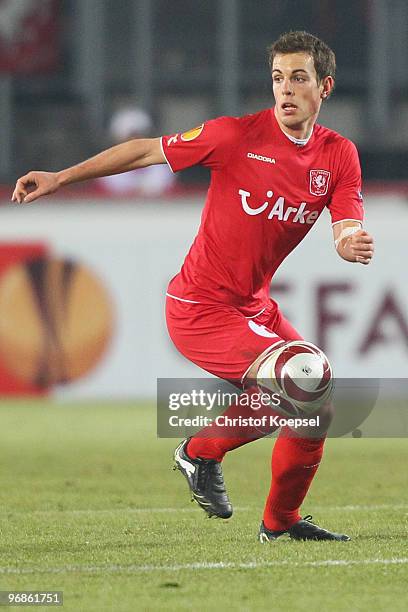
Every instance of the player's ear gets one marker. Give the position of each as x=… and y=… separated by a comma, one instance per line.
x=327, y=87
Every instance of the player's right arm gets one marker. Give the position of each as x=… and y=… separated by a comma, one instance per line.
x=137, y=153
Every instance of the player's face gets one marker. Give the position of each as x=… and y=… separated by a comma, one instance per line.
x=298, y=94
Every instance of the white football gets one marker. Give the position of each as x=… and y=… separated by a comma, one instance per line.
x=300, y=373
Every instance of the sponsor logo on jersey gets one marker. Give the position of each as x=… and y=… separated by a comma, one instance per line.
x=192, y=134
x=299, y=214
x=319, y=182
x=269, y=160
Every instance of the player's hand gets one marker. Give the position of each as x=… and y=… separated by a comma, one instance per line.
x=362, y=246
x=33, y=185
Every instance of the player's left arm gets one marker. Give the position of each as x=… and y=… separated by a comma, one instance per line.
x=352, y=242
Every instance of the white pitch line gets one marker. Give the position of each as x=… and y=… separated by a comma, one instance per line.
x=195, y=508
x=91, y=511
x=135, y=569
x=362, y=507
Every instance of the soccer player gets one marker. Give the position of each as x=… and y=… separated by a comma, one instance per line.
x=272, y=174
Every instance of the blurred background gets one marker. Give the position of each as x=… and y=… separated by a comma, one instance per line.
x=67, y=65
x=83, y=274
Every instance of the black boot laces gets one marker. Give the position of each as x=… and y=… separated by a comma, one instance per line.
x=308, y=518
x=315, y=528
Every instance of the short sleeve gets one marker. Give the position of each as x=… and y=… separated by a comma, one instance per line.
x=347, y=201
x=210, y=144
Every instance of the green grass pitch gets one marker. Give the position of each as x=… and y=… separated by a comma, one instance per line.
x=91, y=506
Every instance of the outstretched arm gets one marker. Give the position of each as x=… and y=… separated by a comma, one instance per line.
x=352, y=242
x=126, y=156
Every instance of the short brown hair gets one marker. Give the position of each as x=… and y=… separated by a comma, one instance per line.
x=303, y=42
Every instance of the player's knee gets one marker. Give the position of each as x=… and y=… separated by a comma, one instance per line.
x=300, y=373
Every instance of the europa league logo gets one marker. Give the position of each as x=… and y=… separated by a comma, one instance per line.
x=56, y=320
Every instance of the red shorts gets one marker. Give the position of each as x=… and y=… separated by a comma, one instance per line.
x=220, y=339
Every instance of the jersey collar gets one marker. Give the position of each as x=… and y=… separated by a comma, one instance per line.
x=285, y=138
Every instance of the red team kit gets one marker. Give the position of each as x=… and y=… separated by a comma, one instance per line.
x=265, y=195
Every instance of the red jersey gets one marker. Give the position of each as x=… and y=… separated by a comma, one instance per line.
x=265, y=195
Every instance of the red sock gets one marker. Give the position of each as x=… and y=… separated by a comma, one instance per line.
x=294, y=464
x=214, y=441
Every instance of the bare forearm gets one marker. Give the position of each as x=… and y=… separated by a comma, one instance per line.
x=126, y=156
x=137, y=153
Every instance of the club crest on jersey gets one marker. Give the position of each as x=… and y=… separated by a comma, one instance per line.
x=192, y=134
x=319, y=182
